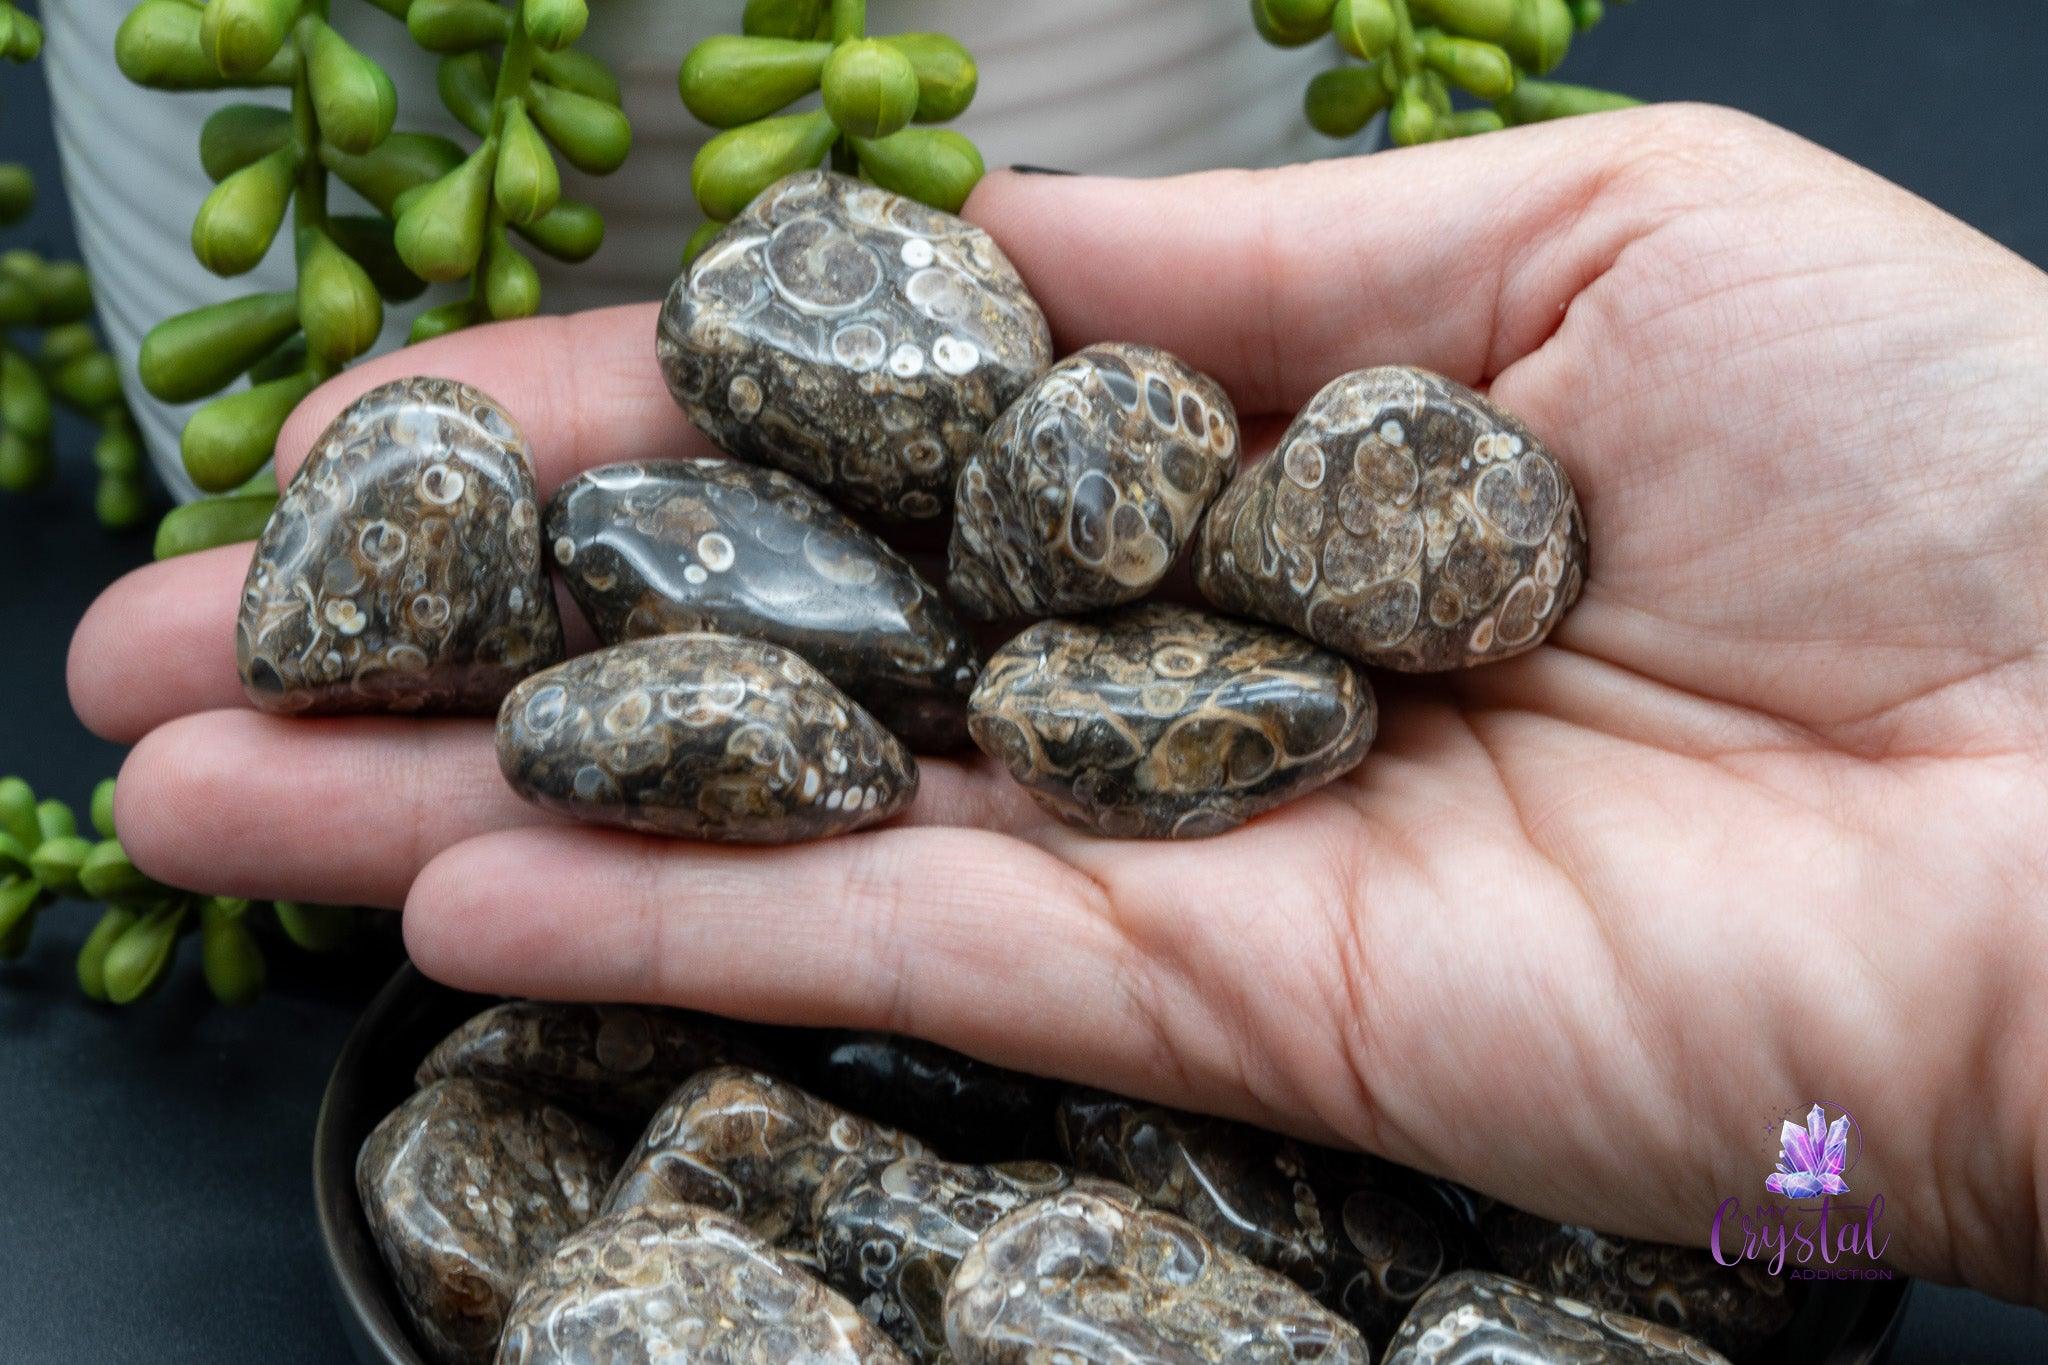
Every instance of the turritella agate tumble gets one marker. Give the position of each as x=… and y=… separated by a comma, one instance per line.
x=721, y=545
x=1089, y=486
x=702, y=736
x=1477, y=1318
x=1404, y=521
x=1160, y=721
x=853, y=338
x=401, y=570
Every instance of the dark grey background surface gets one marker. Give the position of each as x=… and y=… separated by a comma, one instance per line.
x=156, y=1205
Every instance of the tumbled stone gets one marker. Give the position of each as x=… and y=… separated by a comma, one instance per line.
x=1732, y=1308
x=1160, y=721
x=1080, y=1277
x=1475, y=1317
x=1403, y=521
x=889, y=1237
x=965, y=1107
x=611, y=1062
x=719, y=545
x=753, y=1146
x=667, y=1284
x=1089, y=486
x=702, y=736
x=401, y=569
x=1363, y=1236
x=466, y=1186
x=853, y=338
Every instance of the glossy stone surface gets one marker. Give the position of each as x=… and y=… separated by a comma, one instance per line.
x=1403, y=521
x=611, y=1062
x=1079, y=1277
x=1088, y=487
x=401, y=570
x=753, y=1146
x=705, y=737
x=889, y=1237
x=1160, y=721
x=1478, y=1318
x=1732, y=1308
x=670, y=1284
x=720, y=545
x=964, y=1107
x=853, y=338
x=466, y=1186
x=1363, y=1236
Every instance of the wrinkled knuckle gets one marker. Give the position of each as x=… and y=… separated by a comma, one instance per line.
x=1705, y=147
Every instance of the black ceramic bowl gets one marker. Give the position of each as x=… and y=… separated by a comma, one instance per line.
x=1841, y=1324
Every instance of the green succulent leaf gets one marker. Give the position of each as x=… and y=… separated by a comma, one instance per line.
x=440, y=232
x=92, y=955
x=727, y=81
x=571, y=231
x=236, y=134
x=526, y=185
x=457, y=25
x=946, y=74
x=739, y=163
x=935, y=166
x=240, y=218
x=353, y=99
x=402, y=162
x=241, y=37
x=229, y=439
x=340, y=310
x=592, y=134
x=212, y=522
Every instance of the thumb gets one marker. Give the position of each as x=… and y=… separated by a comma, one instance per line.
x=1459, y=256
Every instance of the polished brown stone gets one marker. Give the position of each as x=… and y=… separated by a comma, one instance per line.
x=1478, y=1318
x=890, y=1236
x=753, y=1146
x=721, y=545
x=1161, y=721
x=401, y=569
x=1080, y=1277
x=854, y=338
x=1404, y=521
x=1732, y=1308
x=611, y=1062
x=668, y=1284
x=965, y=1107
x=1365, y=1237
x=466, y=1186
x=703, y=737
x=1089, y=486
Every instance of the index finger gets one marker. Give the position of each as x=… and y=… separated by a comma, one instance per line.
x=585, y=389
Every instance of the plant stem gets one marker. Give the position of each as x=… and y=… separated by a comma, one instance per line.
x=515, y=74
x=309, y=200
x=1404, y=39
x=849, y=19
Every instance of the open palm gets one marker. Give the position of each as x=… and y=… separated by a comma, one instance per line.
x=1763, y=824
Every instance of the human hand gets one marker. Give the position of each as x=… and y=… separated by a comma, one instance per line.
x=1763, y=823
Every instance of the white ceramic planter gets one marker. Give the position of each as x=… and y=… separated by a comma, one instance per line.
x=1135, y=87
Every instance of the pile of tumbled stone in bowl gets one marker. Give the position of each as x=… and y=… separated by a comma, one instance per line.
x=613, y=1185
x=769, y=663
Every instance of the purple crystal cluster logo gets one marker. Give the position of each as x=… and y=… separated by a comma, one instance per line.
x=1813, y=1157
x=1815, y=1229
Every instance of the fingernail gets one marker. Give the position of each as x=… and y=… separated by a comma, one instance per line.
x=1041, y=170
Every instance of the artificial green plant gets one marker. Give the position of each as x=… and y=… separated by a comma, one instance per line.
x=877, y=98
x=1412, y=54
x=65, y=362
x=44, y=858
